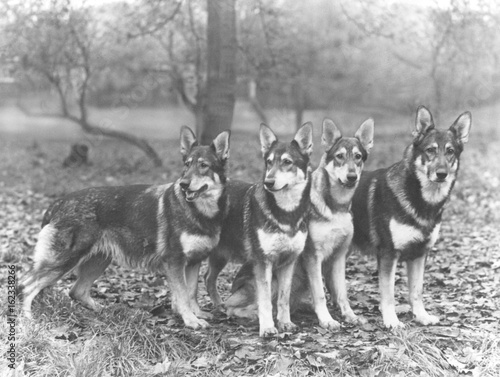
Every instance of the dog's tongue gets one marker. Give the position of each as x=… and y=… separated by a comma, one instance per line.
x=191, y=195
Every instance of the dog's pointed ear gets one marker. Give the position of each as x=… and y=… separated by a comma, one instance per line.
x=221, y=145
x=330, y=135
x=188, y=140
x=267, y=138
x=461, y=127
x=304, y=138
x=423, y=121
x=365, y=134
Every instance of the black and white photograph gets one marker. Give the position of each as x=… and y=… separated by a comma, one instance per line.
x=271, y=188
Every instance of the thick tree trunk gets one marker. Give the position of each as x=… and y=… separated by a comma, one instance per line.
x=221, y=68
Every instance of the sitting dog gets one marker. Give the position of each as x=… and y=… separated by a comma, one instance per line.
x=266, y=225
x=330, y=230
x=170, y=228
x=397, y=210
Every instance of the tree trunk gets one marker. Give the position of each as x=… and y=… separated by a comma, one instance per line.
x=221, y=68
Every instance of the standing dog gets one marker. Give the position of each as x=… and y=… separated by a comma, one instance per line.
x=266, y=225
x=330, y=221
x=170, y=228
x=397, y=211
x=330, y=230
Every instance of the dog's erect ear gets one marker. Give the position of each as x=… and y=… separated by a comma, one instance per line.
x=267, y=138
x=461, y=127
x=304, y=138
x=423, y=121
x=365, y=134
x=221, y=145
x=331, y=134
x=188, y=140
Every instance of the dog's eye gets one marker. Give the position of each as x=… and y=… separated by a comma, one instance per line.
x=339, y=156
x=269, y=161
x=187, y=163
x=431, y=150
x=203, y=165
x=358, y=156
x=450, y=151
x=286, y=162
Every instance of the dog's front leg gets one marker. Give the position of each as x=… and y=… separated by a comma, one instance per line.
x=192, y=274
x=180, y=296
x=415, y=270
x=263, y=271
x=386, y=279
x=336, y=283
x=284, y=276
x=312, y=264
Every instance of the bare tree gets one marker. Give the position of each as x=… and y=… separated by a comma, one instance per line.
x=60, y=45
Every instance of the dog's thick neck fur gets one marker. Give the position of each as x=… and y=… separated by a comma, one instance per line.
x=298, y=198
x=408, y=187
x=329, y=197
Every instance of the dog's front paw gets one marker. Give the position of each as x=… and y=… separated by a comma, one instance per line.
x=427, y=319
x=268, y=332
x=287, y=326
x=196, y=323
x=392, y=322
x=331, y=325
x=356, y=320
x=204, y=315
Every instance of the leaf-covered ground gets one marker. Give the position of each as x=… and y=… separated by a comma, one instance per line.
x=137, y=335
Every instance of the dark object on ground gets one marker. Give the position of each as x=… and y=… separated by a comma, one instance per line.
x=78, y=156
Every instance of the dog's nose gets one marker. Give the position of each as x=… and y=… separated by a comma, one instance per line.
x=352, y=177
x=441, y=175
x=269, y=183
x=184, y=184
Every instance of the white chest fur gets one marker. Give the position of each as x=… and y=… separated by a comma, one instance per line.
x=403, y=235
x=328, y=236
x=194, y=244
x=274, y=244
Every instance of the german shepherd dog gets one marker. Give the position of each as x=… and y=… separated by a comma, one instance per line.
x=266, y=225
x=171, y=228
x=330, y=221
x=397, y=210
x=330, y=230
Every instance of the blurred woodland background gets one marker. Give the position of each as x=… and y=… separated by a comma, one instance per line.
x=133, y=69
x=115, y=80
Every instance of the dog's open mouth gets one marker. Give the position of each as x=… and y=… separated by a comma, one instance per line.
x=193, y=195
x=348, y=184
x=272, y=189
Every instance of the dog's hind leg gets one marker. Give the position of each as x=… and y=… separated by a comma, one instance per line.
x=216, y=264
x=386, y=279
x=192, y=274
x=36, y=281
x=415, y=270
x=88, y=271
